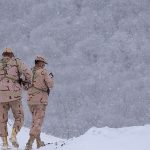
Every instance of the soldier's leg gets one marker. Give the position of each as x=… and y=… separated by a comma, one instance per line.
x=4, y=107
x=39, y=142
x=18, y=114
x=38, y=113
x=29, y=143
x=17, y=110
x=31, y=137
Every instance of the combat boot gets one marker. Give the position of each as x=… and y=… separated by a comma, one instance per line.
x=29, y=143
x=39, y=142
x=5, y=143
x=13, y=138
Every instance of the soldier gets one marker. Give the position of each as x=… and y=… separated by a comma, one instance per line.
x=42, y=83
x=11, y=70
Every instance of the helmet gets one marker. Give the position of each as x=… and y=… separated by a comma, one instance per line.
x=41, y=58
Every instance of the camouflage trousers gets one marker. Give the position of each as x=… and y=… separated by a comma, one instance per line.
x=17, y=110
x=38, y=114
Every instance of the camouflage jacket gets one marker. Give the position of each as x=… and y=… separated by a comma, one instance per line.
x=10, y=70
x=41, y=82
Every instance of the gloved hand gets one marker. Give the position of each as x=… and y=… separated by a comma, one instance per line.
x=26, y=85
x=51, y=74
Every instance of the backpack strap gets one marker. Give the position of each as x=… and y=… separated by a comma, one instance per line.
x=18, y=72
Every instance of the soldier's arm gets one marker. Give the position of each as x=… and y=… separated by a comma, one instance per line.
x=48, y=79
x=25, y=70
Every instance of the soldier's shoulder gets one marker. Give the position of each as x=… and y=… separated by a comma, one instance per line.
x=45, y=71
x=16, y=58
x=2, y=60
x=18, y=61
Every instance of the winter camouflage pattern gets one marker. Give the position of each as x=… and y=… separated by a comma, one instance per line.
x=40, y=84
x=10, y=89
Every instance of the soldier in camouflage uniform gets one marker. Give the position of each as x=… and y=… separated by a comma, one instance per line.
x=42, y=83
x=11, y=69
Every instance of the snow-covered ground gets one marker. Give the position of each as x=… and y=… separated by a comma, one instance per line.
x=131, y=138
x=128, y=138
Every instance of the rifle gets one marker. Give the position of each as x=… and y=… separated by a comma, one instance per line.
x=20, y=80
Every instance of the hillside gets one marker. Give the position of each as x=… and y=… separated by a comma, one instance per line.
x=98, y=51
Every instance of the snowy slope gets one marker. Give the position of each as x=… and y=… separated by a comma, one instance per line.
x=131, y=138
x=128, y=138
x=24, y=135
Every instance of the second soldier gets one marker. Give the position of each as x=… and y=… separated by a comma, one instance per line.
x=42, y=83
